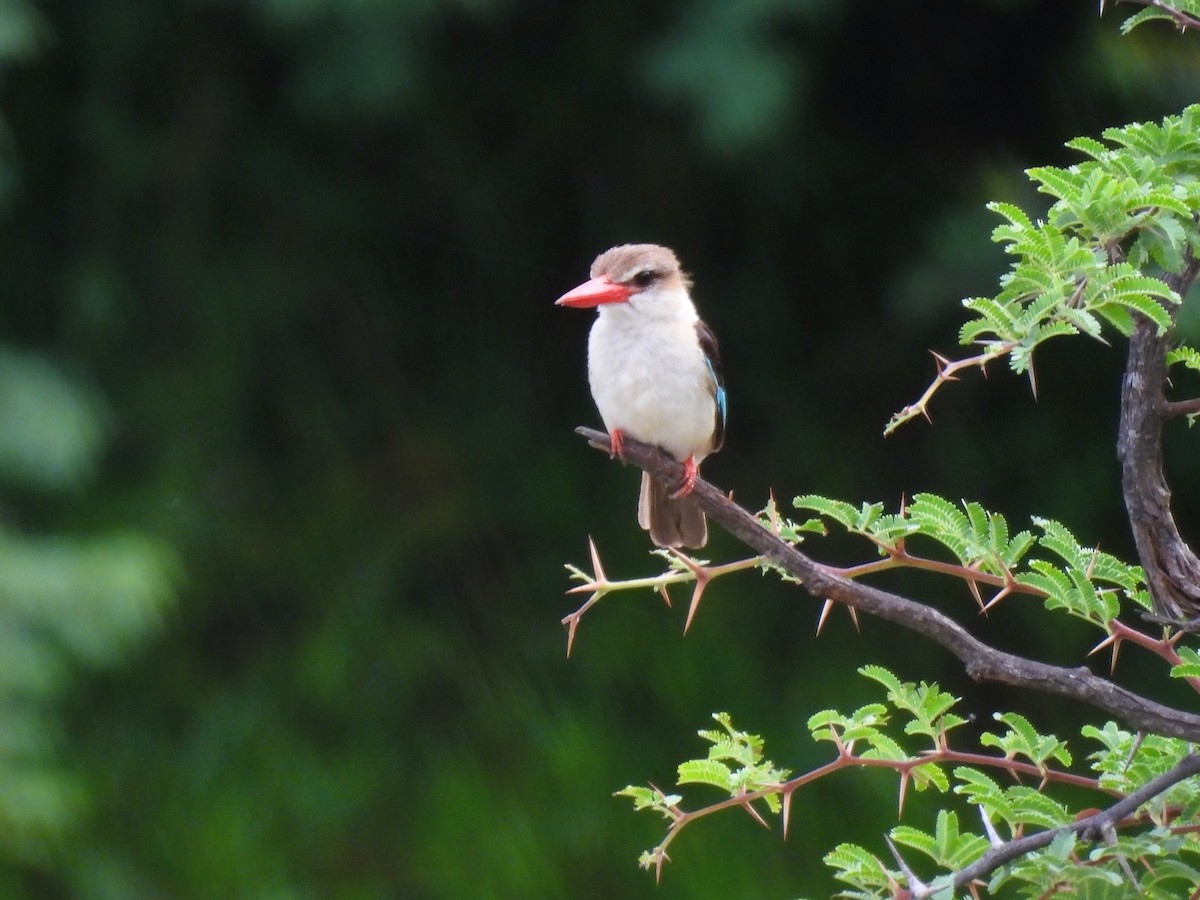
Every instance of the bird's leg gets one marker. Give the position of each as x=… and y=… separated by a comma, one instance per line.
x=616, y=439
x=690, y=473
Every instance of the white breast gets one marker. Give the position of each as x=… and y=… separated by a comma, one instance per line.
x=649, y=379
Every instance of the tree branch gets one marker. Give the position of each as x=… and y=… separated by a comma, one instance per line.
x=1091, y=828
x=981, y=661
x=1172, y=409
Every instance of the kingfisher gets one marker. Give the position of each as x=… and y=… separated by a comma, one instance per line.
x=655, y=376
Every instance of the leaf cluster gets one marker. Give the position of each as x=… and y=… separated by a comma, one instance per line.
x=908, y=732
x=1119, y=219
x=1130, y=205
x=1050, y=562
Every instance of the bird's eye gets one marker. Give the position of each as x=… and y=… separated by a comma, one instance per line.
x=645, y=278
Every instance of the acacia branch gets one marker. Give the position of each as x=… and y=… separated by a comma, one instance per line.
x=981, y=661
x=1091, y=828
x=947, y=370
x=846, y=759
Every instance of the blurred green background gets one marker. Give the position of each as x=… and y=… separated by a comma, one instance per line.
x=286, y=418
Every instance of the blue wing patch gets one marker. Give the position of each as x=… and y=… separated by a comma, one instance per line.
x=718, y=391
x=712, y=359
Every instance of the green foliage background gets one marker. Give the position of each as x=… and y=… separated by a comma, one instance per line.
x=285, y=416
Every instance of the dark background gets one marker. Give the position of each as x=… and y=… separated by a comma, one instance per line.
x=292, y=266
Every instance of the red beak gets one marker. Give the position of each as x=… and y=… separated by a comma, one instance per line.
x=601, y=289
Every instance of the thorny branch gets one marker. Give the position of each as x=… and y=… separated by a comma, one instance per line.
x=1090, y=828
x=981, y=661
x=846, y=759
x=947, y=370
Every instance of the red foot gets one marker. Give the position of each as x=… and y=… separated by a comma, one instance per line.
x=690, y=473
x=615, y=440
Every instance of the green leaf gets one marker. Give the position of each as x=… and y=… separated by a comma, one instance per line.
x=1022, y=739
x=1188, y=356
x=705, y=771
x=1032, y=807
x=1091, y=147
x=948, y=847
x=980, y=790
x=858, y=867
x=1190, y=667
x=927, y=704
x=831, y=725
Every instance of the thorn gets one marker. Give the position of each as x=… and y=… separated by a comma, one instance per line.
x=597, y=569
x=597, y=587
x=1137, y=745
x=993, y=838
x=915, y=884
x=701, y=574
x=1111, y=639
x=571, y=634
x=787, y=811
x=1076, y=297
x=1000, y=595
x=854, y=618
x=773, y=513
x=1032, y=379
x=695, y=604
x=943, y=366
x=748, y=807
x=662, y=589
x=973, y=587
x=825, y=608
x=1116, y=650
x=903, y=790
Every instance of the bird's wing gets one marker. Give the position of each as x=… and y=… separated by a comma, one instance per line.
x=712, y=356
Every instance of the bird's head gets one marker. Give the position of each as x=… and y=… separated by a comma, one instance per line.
x=645, y=276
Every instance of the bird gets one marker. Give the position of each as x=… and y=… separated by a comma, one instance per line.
x=655, y=376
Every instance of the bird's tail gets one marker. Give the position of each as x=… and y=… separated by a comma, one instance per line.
x=672, y=522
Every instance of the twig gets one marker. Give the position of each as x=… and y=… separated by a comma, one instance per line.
x=947, y=370
x=1172, y=409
